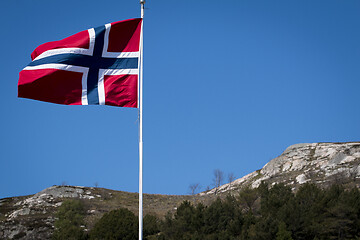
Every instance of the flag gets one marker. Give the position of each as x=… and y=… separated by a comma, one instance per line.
x=99, y=66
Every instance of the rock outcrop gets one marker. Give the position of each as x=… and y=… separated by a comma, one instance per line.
x=33, y=217
x=319, y=163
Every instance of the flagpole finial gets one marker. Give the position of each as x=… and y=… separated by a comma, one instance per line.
x=142, y=2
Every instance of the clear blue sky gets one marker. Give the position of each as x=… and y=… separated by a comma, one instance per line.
x=227, y=84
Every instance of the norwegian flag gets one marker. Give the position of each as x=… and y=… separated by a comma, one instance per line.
x=99, y=66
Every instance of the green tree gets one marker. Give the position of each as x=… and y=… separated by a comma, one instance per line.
x=248, y=230
x=277, y=204
x=223, y=219
x=184, y=218
x=274, y=200
x=151, y=226
x=340, y=218
x=308, y=211
x=70, y=218
x=117, y=224
x=248, y=196
x=283, y=233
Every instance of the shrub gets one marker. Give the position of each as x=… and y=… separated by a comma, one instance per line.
x=70, y=218
x=116, y=224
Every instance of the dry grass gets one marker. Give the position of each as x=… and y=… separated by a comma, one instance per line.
x=154, y=204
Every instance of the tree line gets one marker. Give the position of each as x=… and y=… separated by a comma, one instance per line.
x=274, y=212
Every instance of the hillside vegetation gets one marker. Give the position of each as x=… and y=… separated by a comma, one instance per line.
x=254, y=214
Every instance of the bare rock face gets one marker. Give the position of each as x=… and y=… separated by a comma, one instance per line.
x=32, y=217
x=319, y=163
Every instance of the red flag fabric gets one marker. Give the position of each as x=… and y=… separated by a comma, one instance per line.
x=99, y=66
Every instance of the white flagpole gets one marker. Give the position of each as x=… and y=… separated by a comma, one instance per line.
x=142, y=2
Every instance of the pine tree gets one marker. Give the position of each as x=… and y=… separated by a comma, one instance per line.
x=283, y=233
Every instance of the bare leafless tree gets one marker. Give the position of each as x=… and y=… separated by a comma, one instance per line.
x=231, y=178
x=194, y=188
x=218, y=179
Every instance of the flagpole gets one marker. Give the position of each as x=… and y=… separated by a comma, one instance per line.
x=142, y=2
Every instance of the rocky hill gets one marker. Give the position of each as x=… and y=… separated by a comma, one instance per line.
x=32, y=217
x=319, y=163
